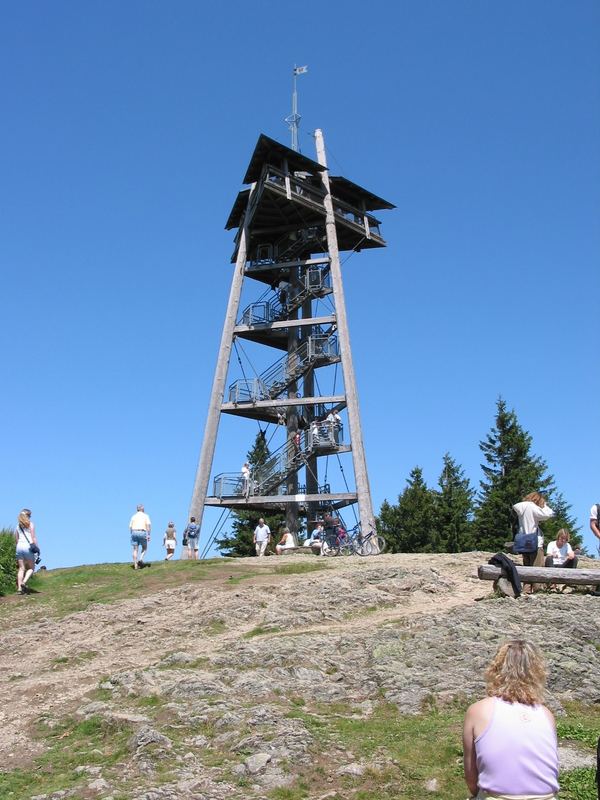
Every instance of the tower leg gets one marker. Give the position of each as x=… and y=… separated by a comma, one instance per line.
x=218, y=388
x=363, y=490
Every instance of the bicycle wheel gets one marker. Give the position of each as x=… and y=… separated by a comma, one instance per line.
x=347, y=548
x=363, y=547
x=381, y=544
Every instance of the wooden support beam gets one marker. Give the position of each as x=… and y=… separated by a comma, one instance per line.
x=219, y=381
x=570, y=577
x=365, y=505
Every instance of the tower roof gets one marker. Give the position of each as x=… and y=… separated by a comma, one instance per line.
x=352, y=193
x=267, y=148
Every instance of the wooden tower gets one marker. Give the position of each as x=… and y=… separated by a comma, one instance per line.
x=292, y=223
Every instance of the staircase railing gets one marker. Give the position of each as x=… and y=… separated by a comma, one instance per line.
x=318, y=350
x=281, y=464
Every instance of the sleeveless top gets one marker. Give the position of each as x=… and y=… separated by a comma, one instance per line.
x=517, y=752
x=25, y=538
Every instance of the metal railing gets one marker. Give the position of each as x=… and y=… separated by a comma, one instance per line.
x=268, y=478
x=318, y=350
x=316, y=282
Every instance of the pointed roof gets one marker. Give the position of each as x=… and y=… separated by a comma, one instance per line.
x=264, y=151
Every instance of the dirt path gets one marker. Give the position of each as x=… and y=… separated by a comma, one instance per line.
x=51, y=665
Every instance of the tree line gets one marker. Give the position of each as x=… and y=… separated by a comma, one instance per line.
x=453, y=516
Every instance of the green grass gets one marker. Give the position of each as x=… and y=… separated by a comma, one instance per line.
x=261, y=630
x=412, y=750
x=299, y=569
x=65, y=591
x=94, y=741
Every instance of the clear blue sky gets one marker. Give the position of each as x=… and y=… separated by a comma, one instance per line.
x=127, y=128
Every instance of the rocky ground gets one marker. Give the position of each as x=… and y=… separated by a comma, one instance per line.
x=208, y=682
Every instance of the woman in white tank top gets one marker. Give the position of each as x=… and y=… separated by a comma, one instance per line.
x=24, y=538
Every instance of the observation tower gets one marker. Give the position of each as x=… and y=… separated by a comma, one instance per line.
x=293, y=221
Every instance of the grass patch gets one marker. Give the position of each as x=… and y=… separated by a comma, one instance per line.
x=578, y=784
x=94, y=741
x=299, y=569
x=261, y=630
x=215, y=627
x=78, y=658
x=65, y=591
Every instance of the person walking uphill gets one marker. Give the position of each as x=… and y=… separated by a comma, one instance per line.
x=191, y=534
x=139, y=528
x=26, y=549
x=262, y=536
x=509, y=738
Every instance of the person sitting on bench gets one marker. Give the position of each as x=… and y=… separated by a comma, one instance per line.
x=560, y=553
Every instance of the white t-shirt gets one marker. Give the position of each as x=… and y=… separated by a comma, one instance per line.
x=262, y=533
x=594, y=512
x=140, y=522
x=559, y=554
x=530, y=515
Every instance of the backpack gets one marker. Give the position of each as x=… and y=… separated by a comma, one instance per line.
x=192, y=530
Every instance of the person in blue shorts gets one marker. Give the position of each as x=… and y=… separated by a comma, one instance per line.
x=192, y=534
x=139, y=528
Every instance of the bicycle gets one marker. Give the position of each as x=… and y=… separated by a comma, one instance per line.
x=337, y=543
x=369, y=545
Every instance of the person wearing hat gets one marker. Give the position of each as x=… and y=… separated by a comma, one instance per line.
x=170, y=540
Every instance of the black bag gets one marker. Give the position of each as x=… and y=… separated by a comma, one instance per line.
x=185, y=541
x=525, y=543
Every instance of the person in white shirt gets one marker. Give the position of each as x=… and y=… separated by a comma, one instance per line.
x=245, y=478
x=139, y=528
x=532, y=510
x=262, y=536
x=595, y=522
x=170, y=540
x=560, y=553
x=24, y=538
x=285, y=543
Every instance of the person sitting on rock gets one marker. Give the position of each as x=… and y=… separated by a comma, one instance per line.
x=315, y=540
x=285, y=543
x=560, y=553
x=509, y=737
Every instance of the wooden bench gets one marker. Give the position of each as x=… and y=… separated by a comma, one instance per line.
x=546, y=575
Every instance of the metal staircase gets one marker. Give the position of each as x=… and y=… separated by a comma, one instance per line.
x=318, y=350
x=323, y=438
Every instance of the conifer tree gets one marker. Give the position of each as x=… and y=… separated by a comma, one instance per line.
x=454, y=503
x=510, y=472
x=238, y=542
x=409, y=527
x=562, y=519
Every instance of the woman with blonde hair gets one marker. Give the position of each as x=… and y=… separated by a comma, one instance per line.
x=531, y=511
x=509, y=737
x=25, y=538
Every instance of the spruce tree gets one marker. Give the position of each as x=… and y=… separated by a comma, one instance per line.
x=238, y=542
x=454, y=508
x=562, y=519
x=409, y=527
x=510, y=472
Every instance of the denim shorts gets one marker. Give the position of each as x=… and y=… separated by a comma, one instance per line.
x=24, y=554
x=139, y=538
x=193, y=542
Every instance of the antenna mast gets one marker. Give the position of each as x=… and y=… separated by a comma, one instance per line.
x=294, y=118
